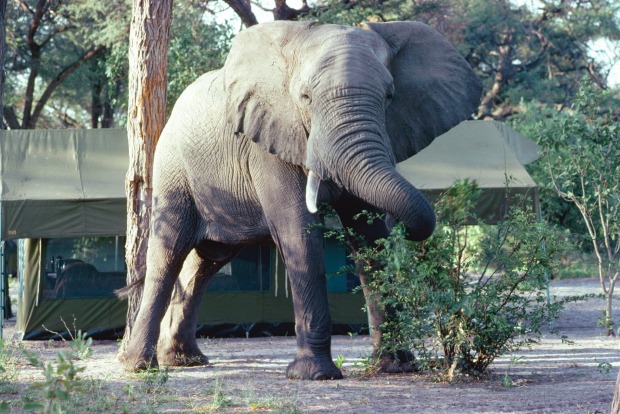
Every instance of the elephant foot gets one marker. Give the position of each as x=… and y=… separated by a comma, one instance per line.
x=180, y=352
x=179, y=358
x=307, y=368
x=137, y=363
x=400, y=362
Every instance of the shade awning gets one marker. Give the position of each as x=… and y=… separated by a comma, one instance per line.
x=63, y=183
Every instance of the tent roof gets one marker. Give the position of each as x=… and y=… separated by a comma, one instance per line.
x=63, y=183
x=70, y=183
x=489, y=152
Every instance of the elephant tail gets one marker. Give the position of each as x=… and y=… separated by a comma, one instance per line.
x=135, y=286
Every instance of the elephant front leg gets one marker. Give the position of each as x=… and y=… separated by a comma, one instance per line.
x=306, y=270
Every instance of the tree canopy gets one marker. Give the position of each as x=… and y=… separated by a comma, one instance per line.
x=66, y=62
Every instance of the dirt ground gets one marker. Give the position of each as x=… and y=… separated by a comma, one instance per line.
x=247, y=375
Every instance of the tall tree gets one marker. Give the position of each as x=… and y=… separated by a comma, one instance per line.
x=51, y=46
x=44, y=22
x=149, y=39
x=5, y=300
x=2, y=52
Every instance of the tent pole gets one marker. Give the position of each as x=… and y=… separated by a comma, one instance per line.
x=2, y=280
x=116, y=268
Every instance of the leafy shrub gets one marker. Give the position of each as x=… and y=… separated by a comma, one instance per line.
x=458, y=305
x=588, y=176
x=61, y=380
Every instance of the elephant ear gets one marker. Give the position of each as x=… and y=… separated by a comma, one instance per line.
x=435, y=88
x=256, y=79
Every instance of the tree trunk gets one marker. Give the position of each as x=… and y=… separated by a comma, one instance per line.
x=609, y=296
x=148, y=47
x=2, y=52
x=615, y=405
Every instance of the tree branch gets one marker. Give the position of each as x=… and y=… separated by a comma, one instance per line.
x=96, y=51
x=10, y=117
x=284, y=12
x=244, y=11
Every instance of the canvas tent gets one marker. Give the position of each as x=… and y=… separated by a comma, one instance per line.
x=62, y=190
x=63, y=197
x=489, y=152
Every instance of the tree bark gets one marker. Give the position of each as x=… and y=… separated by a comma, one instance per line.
x=2, y=52
x=615, y=405
x=149, y=39
x=243, y=9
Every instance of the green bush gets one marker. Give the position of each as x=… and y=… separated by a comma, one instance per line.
x=587, y=175
x=457, y=304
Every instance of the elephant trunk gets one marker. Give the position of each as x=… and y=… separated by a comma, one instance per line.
x=371, y=176
x=387, y=190
x=349, y=145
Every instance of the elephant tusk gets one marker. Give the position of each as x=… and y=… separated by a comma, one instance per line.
x=312, y=191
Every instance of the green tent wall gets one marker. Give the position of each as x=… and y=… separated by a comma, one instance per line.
x=70, y=184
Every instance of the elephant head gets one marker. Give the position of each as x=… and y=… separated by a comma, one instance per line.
x=348, y=103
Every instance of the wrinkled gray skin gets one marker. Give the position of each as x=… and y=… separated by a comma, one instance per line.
x=231, y=168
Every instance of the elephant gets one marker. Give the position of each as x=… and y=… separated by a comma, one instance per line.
x=300, y=114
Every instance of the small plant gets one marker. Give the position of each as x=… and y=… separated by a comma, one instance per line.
x=506, y=380
x=81, y=346
x=8, y=368
x=61, y=379
x=604, y=367
x=79, y=343
x=339, y=362
x=154, y=379
x=219, y=400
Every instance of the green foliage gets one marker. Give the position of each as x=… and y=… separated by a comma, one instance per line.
x=339, y=362
x=354, y=13
x=81, y=346
x=65, y=32
x=61, y=379
x=154, y=379
x=69, y=29
x=197, y=45
x=506, y=381
x=582, y=155
x=455, y=319
x=8, y=373
x=219, y=400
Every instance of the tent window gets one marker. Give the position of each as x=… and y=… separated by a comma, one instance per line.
x=248, y=272
x=336, y=261
x=84, y=267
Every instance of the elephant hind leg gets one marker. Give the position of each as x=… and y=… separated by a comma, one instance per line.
x=177, y=344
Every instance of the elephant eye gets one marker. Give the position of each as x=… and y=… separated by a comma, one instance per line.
x=305, y=96
x=389, y=94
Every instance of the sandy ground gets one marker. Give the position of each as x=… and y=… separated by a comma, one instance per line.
x=247, y=375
